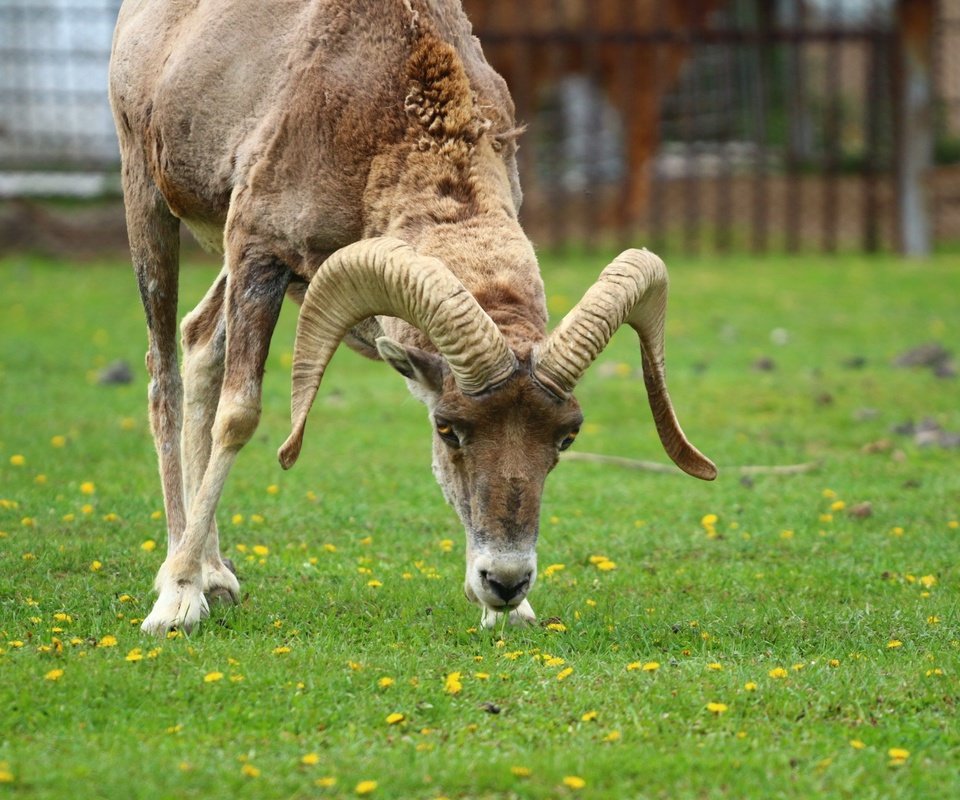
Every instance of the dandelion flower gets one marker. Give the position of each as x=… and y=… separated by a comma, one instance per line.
x=898, y=752
x=17, y=460
x=715, y=666
x=452, y=684
x=310, y=759
x=590, y=716
x=212, y=677
x=58, y=441
x=134, y=655
x=261, y=550
x=88, y=487
x=326, y=782
x=40, y=479
x=928, y=581
x=574, y=782
x=374, y=583
x=651, y=666
x=856, y=744
x=563, y=674
x=86, y=508
x=365, y=787
x=6, y=776
x=95, y=566
x=750, y=686
x=556, y=626
x=282, y=650
x=552, y=569
x=894, y=643
x=385, y=682
x=613, y=736
x=108, y=641
x=395, y=717
x=53, y=675
x=273, y=489
x=717, y=708
x=250, y=771
x=521, y=772
x=778, y=673
x=607, y=566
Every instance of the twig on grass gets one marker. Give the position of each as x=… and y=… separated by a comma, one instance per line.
x=670, y=469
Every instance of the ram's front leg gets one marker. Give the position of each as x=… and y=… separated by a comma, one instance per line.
x=254, y=293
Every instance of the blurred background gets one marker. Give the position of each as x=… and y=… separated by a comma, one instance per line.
x=695, y=125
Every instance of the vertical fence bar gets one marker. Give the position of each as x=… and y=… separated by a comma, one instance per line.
x=724, y=195
x=833, y=109
x=657, y=195
x=691, y=150
x=797, y=127
x=872, y=112
x=760, y=188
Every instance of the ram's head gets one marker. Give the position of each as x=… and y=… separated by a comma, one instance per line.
x=500, y=416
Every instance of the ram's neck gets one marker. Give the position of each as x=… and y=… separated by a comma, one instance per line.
x=462, y=213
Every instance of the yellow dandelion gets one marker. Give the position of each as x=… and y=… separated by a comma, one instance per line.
x=894, y=643
x=928, y=581
x=281, y=650
x=613, y=736
x=374, y=583
x=953, y=524
x=395, y=718
x=606, y=566
x=261, y=550
x=95, y=566
x=933, y=619
x=273, y=489
x=651, y=666
x=481, y=676
x=365, y=787
x=786, y=534
x=590, y=716
x=563, y=674
x=797, y=667
x=709, y=519
x=310, y=759
x=574, y=782
x=250, y=771
x=68, y=517
x=134, y=655
x=452, y=684
x=53, y=675
x=40, y=479
x=326, y=782
x=856, y=744
x=837, y=505
x=446, y=545
x=58, y=440
x=715, y=666
x=88, y=487
x=553, y=569
x=750, y=686
x=834, y=662
x=717, y=708
x=385, y=682
x=556, y=626
x=213, y=677
x=17, y=460
x=6, y=776
x=634, y=665
x=108, y=641
x=521, y=772
x=777, y=673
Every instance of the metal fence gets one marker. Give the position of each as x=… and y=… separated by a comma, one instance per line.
x=704, y=124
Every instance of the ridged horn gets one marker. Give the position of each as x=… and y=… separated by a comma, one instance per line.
x=387, y=276
x=632, y=289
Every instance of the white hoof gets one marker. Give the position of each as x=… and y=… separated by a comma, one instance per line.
x=220, y=585
x=181, y=605
x=521, y=615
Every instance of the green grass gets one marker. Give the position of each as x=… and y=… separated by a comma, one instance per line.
x=751, y=598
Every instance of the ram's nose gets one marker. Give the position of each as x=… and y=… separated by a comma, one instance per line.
x=509, y=587
x=503, y=582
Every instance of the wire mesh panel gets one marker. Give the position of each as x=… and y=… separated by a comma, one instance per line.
x=53, y=77
x=710, y=123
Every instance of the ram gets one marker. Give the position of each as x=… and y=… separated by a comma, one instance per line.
x=358, y=156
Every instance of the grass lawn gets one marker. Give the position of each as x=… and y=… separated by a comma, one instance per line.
x=754, y=638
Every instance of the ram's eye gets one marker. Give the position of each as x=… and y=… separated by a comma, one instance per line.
x=569, y=439
x=448, y=434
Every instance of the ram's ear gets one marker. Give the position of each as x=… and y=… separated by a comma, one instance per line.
x=425, y=368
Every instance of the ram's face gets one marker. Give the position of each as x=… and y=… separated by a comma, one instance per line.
x=491, y=456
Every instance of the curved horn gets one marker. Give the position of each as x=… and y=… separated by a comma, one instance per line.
x=632, y=289
x=387, y=276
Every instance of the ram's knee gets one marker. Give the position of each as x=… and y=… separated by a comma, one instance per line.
x=235, y=423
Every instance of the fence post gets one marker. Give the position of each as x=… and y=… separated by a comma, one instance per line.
x=914, y=108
